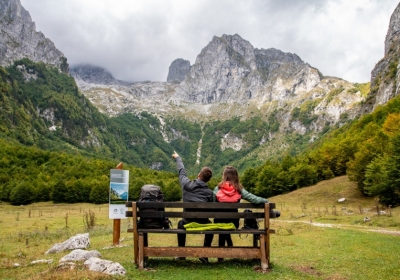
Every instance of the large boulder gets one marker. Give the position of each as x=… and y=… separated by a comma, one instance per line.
x=105, y=266
x=80, y=255
x=79, y=241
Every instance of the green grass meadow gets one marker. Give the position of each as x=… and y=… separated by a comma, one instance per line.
x=316, y=238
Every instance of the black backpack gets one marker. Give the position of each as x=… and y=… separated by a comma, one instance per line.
x=250, y=223
x=152, y=193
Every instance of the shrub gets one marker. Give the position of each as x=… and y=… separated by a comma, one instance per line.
x=21, y=194
x=172, y=192
x=99, y=193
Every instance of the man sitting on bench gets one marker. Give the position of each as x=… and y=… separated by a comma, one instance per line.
x=194, y=191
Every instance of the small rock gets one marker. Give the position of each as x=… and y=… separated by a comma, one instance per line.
x=67, y=265
x=112, y=247
x=42, y=261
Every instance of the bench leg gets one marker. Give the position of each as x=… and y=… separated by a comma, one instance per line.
x=141, y=247
x=135, y=233
x=263, y=247
x=267, y=248
x=136, y=247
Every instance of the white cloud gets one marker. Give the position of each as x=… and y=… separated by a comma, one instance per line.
x=138, y=40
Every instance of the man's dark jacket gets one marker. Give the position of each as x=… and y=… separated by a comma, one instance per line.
x=193, y=191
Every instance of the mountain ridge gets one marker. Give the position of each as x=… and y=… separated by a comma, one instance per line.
x=224, y=85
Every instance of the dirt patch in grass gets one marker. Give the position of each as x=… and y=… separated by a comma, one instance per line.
x=307, y=269
x=336, y=277
x=391, y=232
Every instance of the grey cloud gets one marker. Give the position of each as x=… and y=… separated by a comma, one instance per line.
x=138, y=42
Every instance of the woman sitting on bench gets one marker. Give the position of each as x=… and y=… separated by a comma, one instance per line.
x=229, y=190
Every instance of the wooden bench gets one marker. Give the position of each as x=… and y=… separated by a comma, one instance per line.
x=260, y=248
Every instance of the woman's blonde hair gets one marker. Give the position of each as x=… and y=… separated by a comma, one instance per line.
x=231, y=175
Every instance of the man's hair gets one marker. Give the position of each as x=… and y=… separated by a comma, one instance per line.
x=205, y=174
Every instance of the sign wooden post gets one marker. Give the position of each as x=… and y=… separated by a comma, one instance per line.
x=117, y=222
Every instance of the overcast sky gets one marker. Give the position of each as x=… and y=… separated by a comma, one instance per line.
x=137, y=40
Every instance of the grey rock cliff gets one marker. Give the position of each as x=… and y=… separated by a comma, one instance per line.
x=19, y=38
x=178, y=70
x=393, y=34
x=385, y=77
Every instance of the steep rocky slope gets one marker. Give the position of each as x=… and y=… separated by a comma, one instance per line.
x=19, y=38
x=385, y=77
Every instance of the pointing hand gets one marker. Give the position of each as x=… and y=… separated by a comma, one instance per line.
x=175, y=155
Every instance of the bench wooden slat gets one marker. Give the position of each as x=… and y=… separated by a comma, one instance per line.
x=193, y=215
x=197, y=252
x=175, y=231
x=212, y=206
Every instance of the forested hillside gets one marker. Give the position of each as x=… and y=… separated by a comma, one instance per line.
x=367, y=150
x=43, y=107
x=29, y=174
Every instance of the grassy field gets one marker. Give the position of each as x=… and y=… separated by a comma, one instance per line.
x=316, y=238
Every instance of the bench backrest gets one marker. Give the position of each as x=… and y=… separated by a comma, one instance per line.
x=201, y=210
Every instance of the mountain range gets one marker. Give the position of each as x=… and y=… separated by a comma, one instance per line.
x=235, y=105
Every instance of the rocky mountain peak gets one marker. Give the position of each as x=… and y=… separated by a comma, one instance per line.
x=230, y=70
x=92, y=74
x=88, y=74
x=19, y=38
x=178, y=70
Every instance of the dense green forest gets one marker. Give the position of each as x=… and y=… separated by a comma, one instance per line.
x=367, y=150
x=30, y=174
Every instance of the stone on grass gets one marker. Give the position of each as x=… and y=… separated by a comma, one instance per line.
x=80, y=255
x=79, y=241
x=67, y=265
x=105, y=266
x=116, y=246
x=42, y=261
